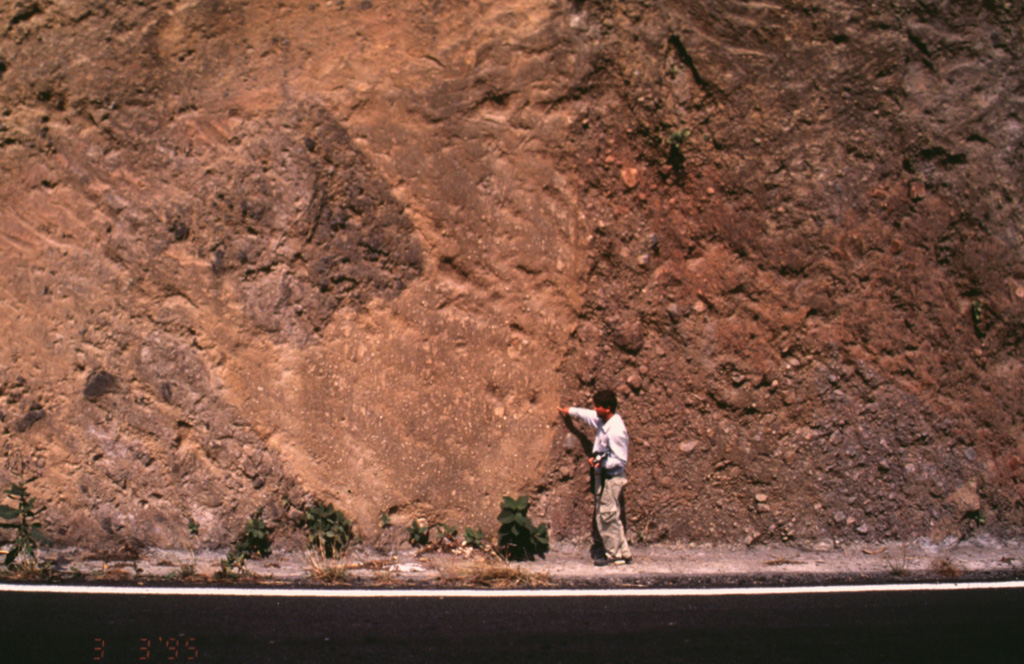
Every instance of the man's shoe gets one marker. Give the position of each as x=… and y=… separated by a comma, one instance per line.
x=604, y=562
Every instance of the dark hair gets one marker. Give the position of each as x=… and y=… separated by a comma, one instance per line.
x=606, y=399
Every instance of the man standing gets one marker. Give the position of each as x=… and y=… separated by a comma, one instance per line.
x=608, y=457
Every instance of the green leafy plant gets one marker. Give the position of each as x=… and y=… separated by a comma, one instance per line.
x=327, y=528
x=674, y=142
x=419, y=535
x=678, y=137
x=475, y=538
x=28, y=535
x=419, y=532
x=385, y=519
x=518, y=537
x=254, y=542
x=446, y=536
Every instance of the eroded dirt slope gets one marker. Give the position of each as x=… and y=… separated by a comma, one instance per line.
x=361, y=251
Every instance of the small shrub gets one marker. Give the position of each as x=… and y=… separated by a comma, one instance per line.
x=446, y=537
x=518, y=538
x=678, y=137
x=28, y=535
x=419, y=535
x=385, y=519
x=254, y=542
x=419, y=532
x=475, y=538
x=327, y=528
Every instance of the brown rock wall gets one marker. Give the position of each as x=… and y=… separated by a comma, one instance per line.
x=261, y=252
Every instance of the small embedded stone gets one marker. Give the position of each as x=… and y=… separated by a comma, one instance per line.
x=34, y=414
x=630, y=177
x=98, y=384
x=688, y=446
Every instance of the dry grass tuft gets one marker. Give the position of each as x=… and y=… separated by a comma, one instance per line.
x=945, y=568
x=491, y=574
x=326, y=570
x=900, y=565
x=29, y=570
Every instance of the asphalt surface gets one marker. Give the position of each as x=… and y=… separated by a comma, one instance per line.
x=852, y=625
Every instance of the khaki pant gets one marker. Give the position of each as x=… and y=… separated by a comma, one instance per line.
x=608, y=518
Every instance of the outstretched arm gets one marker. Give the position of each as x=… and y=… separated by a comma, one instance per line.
x=570, y=424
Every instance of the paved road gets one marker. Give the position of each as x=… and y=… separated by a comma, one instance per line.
x=968, y=625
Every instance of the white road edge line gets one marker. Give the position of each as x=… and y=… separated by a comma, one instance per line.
x=351, y=593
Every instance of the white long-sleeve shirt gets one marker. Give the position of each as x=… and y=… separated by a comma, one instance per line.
x=611, y=439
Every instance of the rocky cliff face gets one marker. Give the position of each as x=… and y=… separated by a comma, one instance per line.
x=259, y=253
